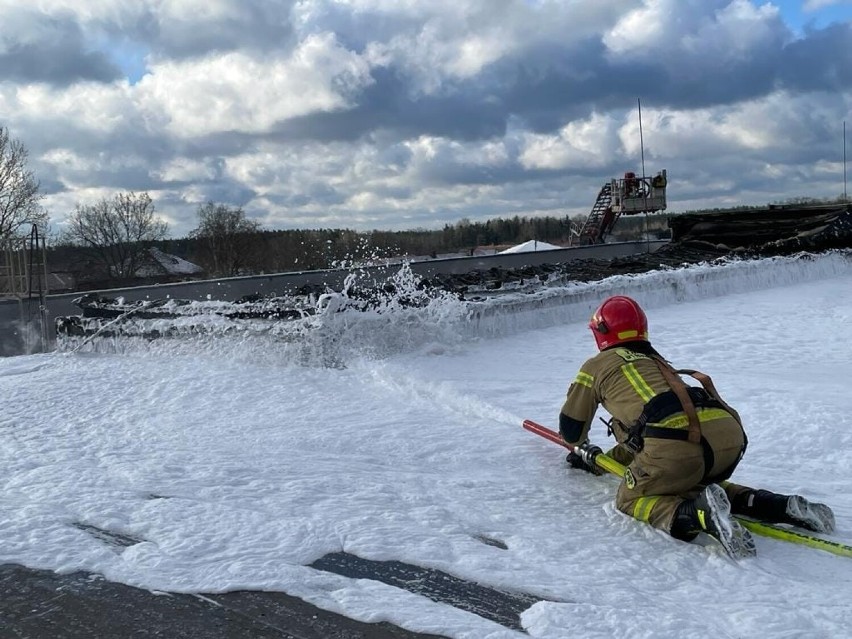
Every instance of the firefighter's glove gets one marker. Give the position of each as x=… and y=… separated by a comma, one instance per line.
x=583, y=458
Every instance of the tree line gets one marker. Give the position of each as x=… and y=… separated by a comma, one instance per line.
x=105, y=243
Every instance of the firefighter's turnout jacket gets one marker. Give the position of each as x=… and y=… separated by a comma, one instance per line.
x=629, y=384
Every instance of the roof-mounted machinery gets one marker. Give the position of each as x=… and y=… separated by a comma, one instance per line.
x=625, y=196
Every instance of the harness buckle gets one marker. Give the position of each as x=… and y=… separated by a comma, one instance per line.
x=635, y=441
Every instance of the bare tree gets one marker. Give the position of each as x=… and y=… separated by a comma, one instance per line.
x=226, y=238
x=117, y=233
x=19, y=196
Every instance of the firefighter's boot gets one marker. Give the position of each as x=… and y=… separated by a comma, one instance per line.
x=710, y=513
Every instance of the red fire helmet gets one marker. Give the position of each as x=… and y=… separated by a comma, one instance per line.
x=619, y=319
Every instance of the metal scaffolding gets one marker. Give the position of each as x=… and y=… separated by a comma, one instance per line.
x=23, y=278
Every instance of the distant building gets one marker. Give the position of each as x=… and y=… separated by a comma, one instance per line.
x=531, y=246
x=158, y=263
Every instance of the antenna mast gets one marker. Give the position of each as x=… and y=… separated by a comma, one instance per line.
x=644, y=184
x=641, y=139
x=845, y=198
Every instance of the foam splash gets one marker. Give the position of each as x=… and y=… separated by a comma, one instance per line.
x=404, y=316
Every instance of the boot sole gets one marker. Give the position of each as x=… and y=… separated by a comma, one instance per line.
x=736, y=540
x=815, y=517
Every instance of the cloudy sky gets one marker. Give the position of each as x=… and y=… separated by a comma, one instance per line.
x=395, y=114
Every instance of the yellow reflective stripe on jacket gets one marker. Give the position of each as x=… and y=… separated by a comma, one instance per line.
x=584, y=379
x=637, y=382
x=680, y=420
x=643, y=507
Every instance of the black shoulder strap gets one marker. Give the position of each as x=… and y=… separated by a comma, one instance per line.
x=680, y=390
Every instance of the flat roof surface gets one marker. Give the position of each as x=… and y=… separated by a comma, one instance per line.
x=40, y=604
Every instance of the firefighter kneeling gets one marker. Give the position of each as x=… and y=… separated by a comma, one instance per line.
x=680, y=443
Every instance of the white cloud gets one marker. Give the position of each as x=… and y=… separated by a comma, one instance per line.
x=579, y=144
x=249, y=93
x=455, y=40
x=640, y=29
x=91, y=10
x=184, y=170
x=679, y=32
x=771, y=126
x=95, y=107
x=810, y=6
x=430, y=58
x=206, y=11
